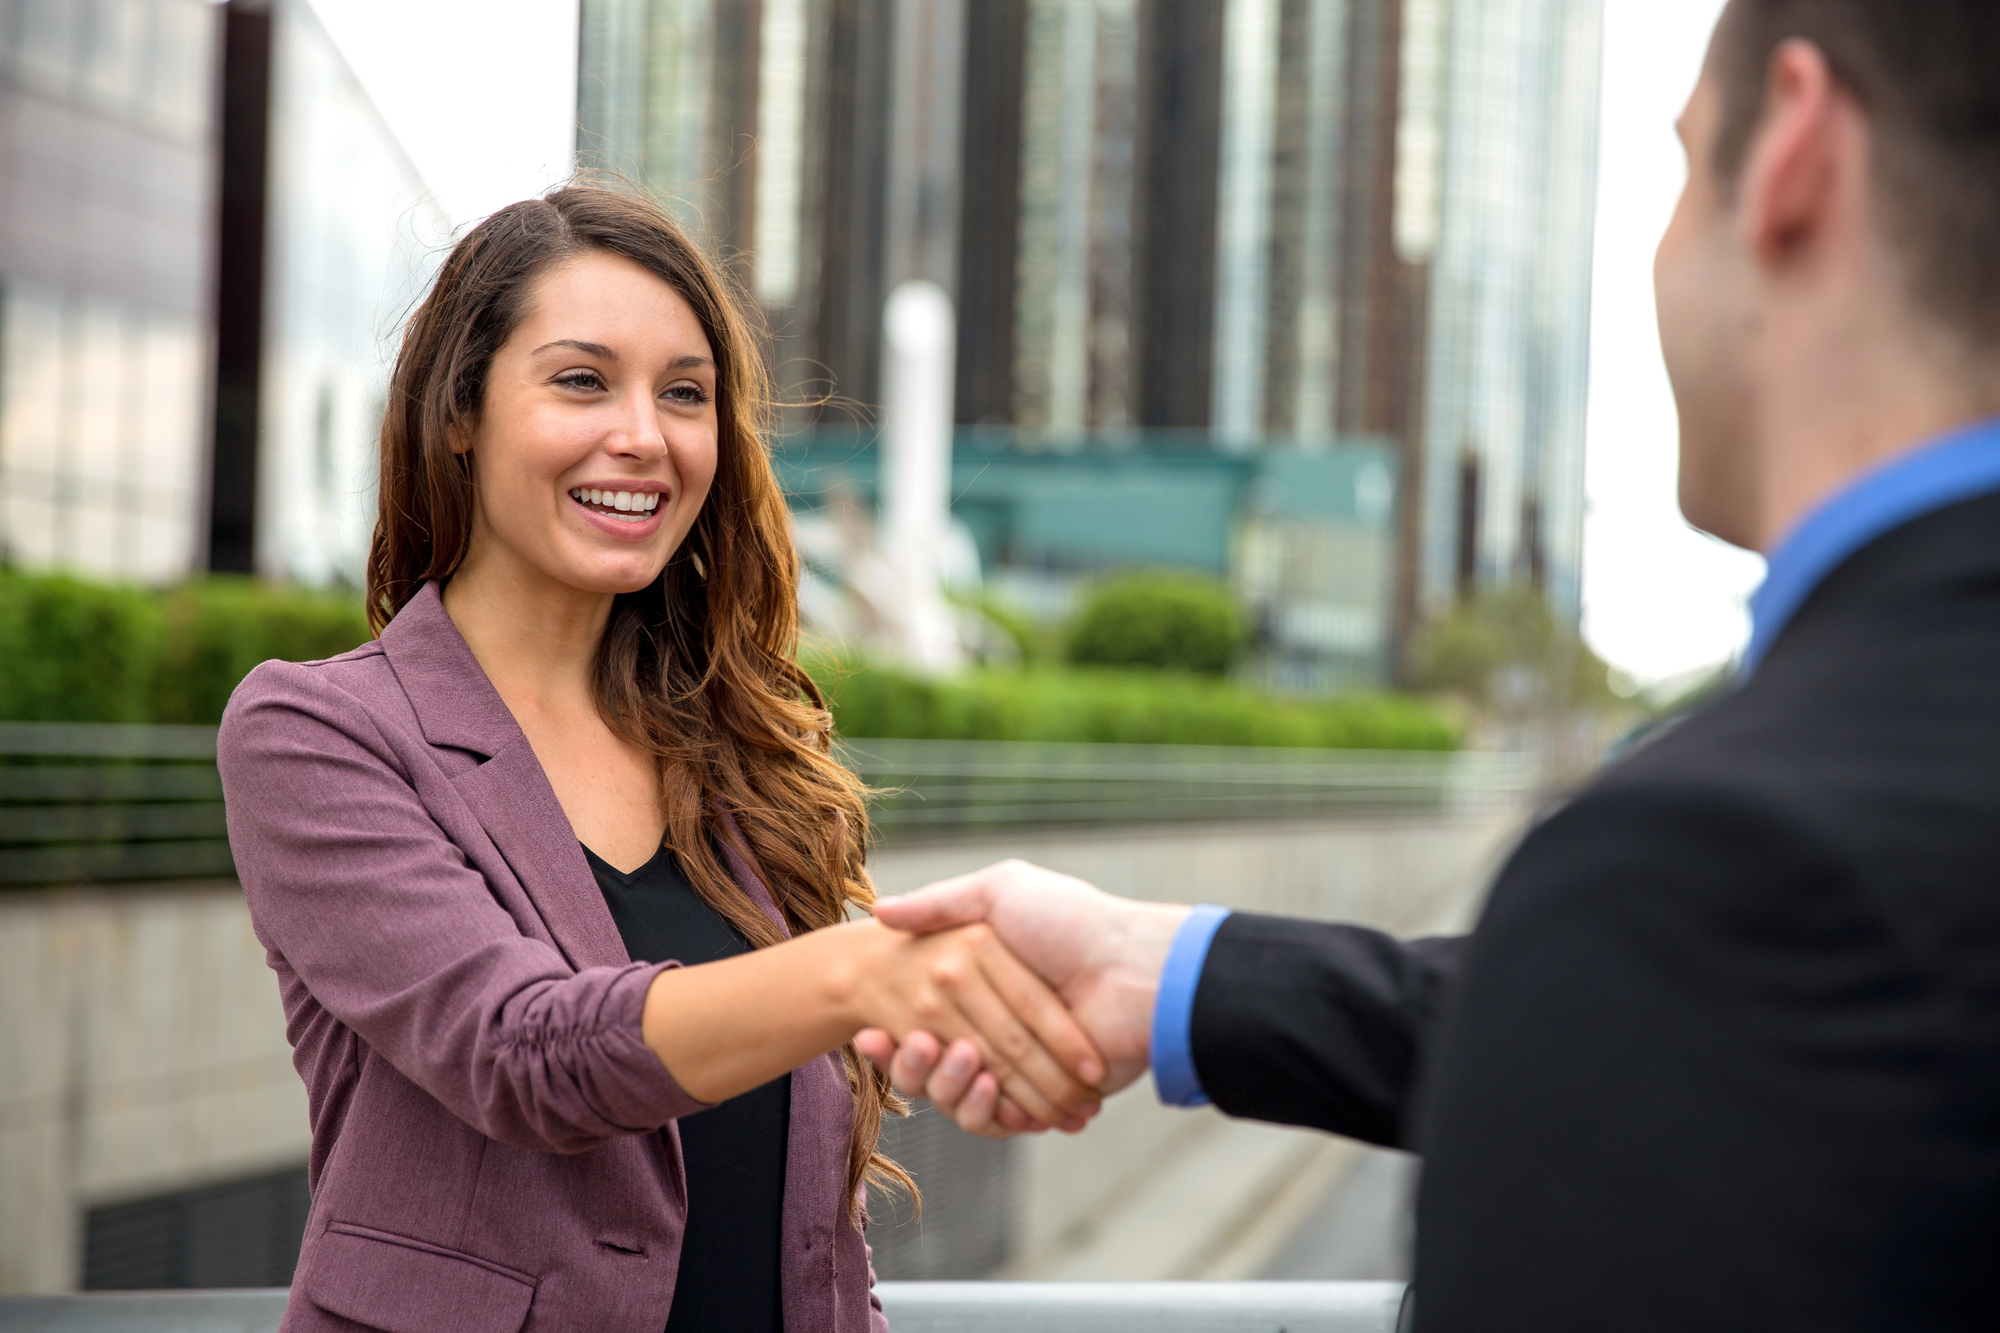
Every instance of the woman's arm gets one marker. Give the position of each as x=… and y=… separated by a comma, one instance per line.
x=364, y=893
x=723, y=1028
x=372, y=904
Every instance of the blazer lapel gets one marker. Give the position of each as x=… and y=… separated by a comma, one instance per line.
x=457, y=706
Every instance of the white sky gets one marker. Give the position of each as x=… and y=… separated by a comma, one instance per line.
x=1659, y=599
x=483, y=94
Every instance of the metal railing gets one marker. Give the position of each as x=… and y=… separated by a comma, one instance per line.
x=913, y=1307
x=945, y=789
x=88, y=803
x=82, y=802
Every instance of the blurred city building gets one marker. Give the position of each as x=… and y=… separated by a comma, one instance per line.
x=1307, y=535
x=106, y=251
x=208, y=236
x=1282, y=225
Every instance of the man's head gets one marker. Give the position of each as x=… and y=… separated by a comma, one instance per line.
x=1828, y=289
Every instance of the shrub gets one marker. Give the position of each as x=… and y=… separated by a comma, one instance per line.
x=81, y=652
x=1466, y=650
x=215, y=630
x=1159, y=620
x=1119, y=706
x=72, y=651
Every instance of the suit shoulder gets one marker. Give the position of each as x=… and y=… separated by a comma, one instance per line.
x=354, y=683
x=1645, y=845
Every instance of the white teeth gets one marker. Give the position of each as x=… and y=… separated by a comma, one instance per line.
x=625, y=502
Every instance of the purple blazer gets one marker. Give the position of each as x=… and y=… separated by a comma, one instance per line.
x=486, y=1145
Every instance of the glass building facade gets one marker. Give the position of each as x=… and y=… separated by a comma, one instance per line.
x=351, y=237
x=1502, y=207
x=106, y=178
x=123, y=289
x=1284, y=225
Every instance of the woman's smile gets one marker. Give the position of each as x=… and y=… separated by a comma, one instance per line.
x=629, y=511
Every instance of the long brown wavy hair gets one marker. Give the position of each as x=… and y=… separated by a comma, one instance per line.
x=700, y=668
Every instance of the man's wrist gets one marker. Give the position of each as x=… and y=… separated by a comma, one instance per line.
x=1172, y=1045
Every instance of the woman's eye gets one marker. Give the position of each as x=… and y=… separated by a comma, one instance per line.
x=580, y=379
x=688, y=395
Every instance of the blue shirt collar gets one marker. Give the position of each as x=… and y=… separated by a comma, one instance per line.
x=1957, y=467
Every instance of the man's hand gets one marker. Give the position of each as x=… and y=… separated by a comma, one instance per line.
x=1102, y=954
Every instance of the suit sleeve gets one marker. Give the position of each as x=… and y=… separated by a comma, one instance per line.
x=1688, y=1078
x=395, y=935
x=1305, y=1023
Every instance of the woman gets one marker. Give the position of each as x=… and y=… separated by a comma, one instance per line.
x=556, y=873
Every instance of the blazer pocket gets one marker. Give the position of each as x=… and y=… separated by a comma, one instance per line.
x=401, y=1285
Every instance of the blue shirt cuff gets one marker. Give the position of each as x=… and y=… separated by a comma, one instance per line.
x=1173, y=1008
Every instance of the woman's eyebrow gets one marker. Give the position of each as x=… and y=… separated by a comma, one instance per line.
x=683, y=362
x=589, y=349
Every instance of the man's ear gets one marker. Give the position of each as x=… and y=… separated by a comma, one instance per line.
x=1791, y=175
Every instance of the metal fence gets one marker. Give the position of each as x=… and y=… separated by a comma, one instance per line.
x=87, y=803
x=104, y=803
x=948, y=789
x=913, y=1307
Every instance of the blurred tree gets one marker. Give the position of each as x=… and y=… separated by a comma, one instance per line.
x=1505, y=648
x=1160, y=620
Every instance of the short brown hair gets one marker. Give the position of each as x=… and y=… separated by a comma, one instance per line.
x=1928, y=74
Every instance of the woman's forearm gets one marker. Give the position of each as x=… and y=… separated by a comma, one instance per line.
x=724, y=1028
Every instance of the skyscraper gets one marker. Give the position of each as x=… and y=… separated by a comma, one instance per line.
x=1273, y=223
x=198, y=293
x=1501, y=187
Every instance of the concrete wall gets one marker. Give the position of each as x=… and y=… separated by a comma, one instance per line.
x=142, y=1048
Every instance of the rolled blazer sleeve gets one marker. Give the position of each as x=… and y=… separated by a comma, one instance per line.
x=355, y=884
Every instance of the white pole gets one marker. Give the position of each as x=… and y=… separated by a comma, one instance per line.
x=917, y=365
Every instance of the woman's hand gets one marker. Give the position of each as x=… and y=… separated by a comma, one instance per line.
x=724, y=1028
x=965, y=987
x=951, y=1078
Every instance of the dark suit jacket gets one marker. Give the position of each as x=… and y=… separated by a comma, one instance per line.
x=486, y=1145
x=1724, y=1051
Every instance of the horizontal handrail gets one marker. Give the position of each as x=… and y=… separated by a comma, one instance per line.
x=106, y=740
x=86, y=802
x=82, y=801
x=932, y=789
x=912, y=1307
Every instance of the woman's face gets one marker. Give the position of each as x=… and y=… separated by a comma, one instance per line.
x=596, y=444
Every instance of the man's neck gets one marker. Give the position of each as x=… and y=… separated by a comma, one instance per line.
x=1856, y=410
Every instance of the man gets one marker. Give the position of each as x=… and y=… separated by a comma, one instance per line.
x=1724, y=1051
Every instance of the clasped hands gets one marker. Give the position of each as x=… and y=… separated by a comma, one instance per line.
x=1100, y=954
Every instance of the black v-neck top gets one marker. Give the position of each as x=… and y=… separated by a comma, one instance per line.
x=735, y=1152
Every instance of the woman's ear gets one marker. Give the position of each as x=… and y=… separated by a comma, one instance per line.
x=458, y=437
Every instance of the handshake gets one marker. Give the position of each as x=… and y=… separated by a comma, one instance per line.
x=1083, y=1030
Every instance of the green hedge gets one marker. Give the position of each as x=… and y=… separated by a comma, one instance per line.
x=1132, y=707
x=72, y=651
x=1163, y=620
x=216, y=630
x=87, y=652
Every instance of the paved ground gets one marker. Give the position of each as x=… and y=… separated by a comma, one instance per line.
x=1363, y=1230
